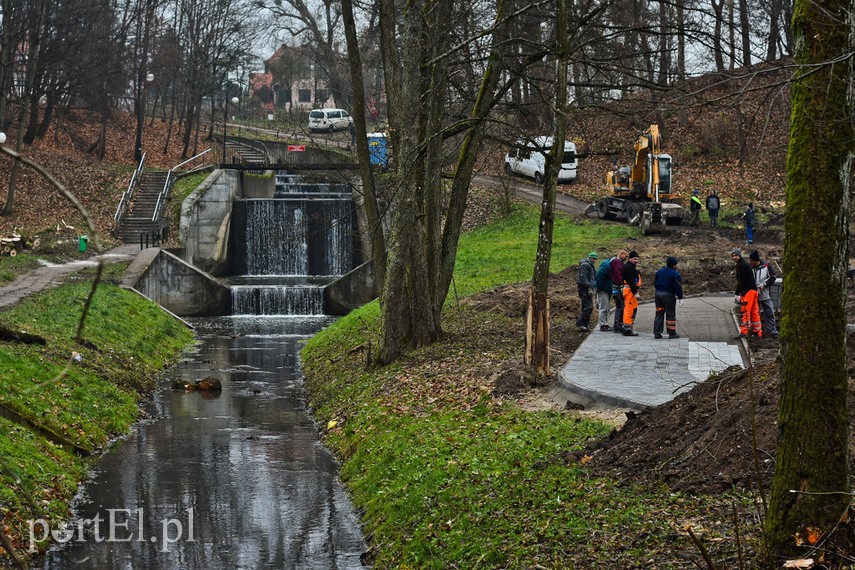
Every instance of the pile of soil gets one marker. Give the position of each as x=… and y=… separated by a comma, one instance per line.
x=704, y=440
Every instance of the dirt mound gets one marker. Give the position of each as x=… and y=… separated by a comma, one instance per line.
x=704, y=440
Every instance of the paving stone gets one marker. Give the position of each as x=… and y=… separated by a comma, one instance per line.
x=638, y=372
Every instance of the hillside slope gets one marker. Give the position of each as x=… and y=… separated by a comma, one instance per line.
x=67, y=152
x=724, y=134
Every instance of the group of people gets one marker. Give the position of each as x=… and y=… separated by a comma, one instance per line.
x=618, y=279
x=754, y=278
x=713, y=205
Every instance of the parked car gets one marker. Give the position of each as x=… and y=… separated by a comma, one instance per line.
x=527, y=157
x=329, y=120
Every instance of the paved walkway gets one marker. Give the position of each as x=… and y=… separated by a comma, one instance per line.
x=638, y=372
x=52, y=274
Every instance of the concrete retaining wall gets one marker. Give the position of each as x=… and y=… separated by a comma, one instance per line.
x=351, y=291
x=205, y=220
x=256, y=185
x=176, y=286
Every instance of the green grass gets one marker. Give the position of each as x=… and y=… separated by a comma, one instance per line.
x=12, y=267
x=127, y=340
x=182, y=188
x=449, y=477
x=504, y=251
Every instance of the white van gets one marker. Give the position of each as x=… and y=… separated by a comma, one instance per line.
x=329, y=120
x=527, y=157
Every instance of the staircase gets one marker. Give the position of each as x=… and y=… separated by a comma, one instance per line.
x=136, y=226
x=238, y=152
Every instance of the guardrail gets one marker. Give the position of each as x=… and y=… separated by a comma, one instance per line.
x=164, y=193
x=128, y=194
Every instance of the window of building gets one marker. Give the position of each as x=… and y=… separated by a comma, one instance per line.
x=305, y=95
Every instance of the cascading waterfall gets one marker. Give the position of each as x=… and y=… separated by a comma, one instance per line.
x=294, y=244
x=277, y=300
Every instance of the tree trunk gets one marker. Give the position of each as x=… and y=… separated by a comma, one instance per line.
x=718, y=52
x=31, y=67
x=467, y=156
x=369, y=193
x=811, y=487
x=664, y=38
x=537, y=319
x=745, y=32
x=731, y=35
x=774, y=30
x=407, y=313
x=681, y=40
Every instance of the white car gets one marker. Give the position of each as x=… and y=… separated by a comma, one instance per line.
x=527, y=157
x=329, y=120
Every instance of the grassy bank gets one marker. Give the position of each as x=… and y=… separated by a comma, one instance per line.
x=449, y=474
x=63, y=400
x=14, y=266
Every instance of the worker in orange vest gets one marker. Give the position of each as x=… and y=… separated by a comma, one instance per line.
x=746, y=296
x=631, y=284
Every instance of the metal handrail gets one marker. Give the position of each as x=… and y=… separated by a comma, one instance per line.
x=164, y=193
x=127, y=195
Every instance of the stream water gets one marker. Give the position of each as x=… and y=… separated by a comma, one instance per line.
x=236, y=479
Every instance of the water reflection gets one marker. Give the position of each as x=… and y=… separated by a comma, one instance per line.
x=235, y=481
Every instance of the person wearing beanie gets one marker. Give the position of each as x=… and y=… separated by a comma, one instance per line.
x=764, y=278
x=695, y=207
x=585, y=279
x=631, y=284
x=713, y=205
x=669, y=289
x=746, y=296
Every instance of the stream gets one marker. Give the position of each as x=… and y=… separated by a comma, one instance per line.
x=212, y=481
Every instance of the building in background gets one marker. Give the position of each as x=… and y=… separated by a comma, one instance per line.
x=292, y=81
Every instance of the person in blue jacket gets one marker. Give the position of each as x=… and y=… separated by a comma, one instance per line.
x=669, y=290
x=749, y=216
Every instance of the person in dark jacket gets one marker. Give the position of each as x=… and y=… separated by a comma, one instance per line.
x=669, y=289
x=713, y=206
x=746, y=296
x=617, y=287
x=749, y=216
x=631, y=285
x=585, y=281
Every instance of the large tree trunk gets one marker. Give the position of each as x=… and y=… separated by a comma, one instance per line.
x=811, y=487
x=407, y=313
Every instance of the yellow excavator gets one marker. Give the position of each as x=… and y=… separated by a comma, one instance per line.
x=641, y=193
